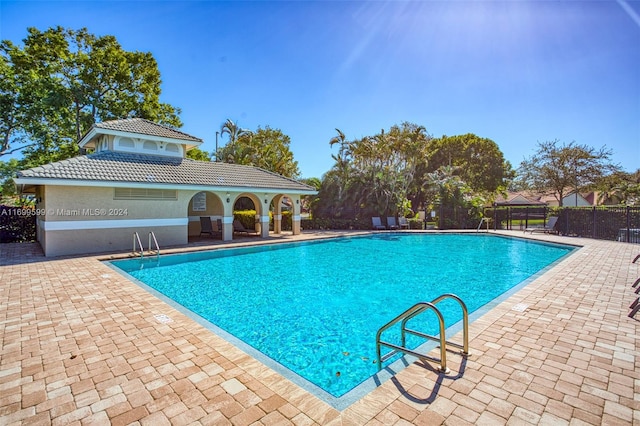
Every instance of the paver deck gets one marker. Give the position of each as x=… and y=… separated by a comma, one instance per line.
x=82, y=345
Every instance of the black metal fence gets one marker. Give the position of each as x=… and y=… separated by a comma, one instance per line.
x=614, y=223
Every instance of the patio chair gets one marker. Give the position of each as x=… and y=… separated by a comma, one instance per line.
x=403, y=223
x=239, y=228
x=635, y=306
x=547, y=229
x=377, y=223
x=391, y=222
x=206, y=227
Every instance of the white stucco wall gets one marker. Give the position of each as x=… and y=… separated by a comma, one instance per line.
x=81, y=220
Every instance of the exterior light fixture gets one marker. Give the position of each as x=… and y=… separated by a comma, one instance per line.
x=228, y=197
x=265, y=198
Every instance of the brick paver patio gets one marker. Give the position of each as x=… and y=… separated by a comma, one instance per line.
x=83, y=345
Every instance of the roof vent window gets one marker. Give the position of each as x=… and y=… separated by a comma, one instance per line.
x=126, y=143
x=150, y=146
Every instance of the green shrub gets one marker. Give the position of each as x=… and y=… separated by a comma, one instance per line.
x=246, y=217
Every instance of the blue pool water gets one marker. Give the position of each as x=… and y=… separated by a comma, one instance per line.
x=315, y=307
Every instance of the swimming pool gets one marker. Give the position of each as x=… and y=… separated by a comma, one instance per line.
x=315, y=307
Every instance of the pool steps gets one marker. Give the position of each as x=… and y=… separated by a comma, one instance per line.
x=414, y=311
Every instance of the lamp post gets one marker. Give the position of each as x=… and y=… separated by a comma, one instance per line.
x=217, y=146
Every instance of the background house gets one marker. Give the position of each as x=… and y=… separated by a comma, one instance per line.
x=529, y=199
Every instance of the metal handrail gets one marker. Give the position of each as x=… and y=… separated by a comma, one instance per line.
x=465, y=322
x=136, y=237
x=153, y=236
x=414, y=311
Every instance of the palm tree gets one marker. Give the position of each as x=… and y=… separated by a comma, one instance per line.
x=446, y=183
x=234, y=132
x=342, y=166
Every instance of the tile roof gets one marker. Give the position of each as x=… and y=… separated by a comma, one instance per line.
x=143, y=168
x=144, y=127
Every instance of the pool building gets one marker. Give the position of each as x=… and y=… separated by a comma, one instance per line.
x=137, y=179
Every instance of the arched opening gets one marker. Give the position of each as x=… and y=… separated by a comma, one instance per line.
x=286, y=214
x=205, y=213
x=247, y=213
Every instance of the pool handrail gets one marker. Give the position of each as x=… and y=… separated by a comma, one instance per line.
x=414, y=311
x=136, y=238
x=152, y=236
x=465, y=322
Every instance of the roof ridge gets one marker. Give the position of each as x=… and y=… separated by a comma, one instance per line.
x=156, y=124
x=120, y=122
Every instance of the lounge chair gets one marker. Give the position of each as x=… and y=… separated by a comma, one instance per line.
x=391, y=222
x=377, y=223
x=206, y=227
x=239, y=228
x=548, y=228
x=403, y=222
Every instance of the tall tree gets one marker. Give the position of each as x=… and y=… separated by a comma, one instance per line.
x=63, y=81
x=265, y=148
x=198, y=154
x=482, y=165
x=449, y=188
x=619, y=188
x=234, y=131
x=558, y=170
x=11, y=115
x=376, y=174
x=412, y=142
x=342, y=166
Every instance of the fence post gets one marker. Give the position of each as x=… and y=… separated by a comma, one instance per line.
x=628, y=225
x=495, y=217
x=594, y=221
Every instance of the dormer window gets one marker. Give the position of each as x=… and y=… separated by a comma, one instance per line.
x=126, y=143
x=150, y=146
x=138, y=135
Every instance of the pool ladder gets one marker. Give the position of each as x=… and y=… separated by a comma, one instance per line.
x=152, y=237
x=414, y=311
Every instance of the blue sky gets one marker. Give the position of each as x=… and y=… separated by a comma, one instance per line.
x=516, y=72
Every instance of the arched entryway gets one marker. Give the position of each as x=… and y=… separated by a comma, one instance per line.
x=252, y=211
x=206, y=216
x=286, y=213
